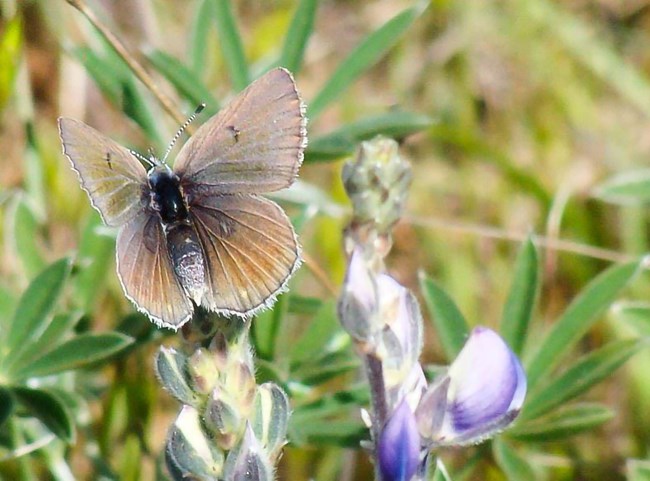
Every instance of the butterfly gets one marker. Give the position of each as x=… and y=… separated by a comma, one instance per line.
x=199, y=234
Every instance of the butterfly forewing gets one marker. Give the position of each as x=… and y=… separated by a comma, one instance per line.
x=113, y=178
x=146, y=272
x=250, y=248
x=253, y=145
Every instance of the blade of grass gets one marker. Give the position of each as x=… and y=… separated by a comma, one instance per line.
x=364, y=56
x=300, y=29
x=231, y=44
x=184, y=80
x=199, y=36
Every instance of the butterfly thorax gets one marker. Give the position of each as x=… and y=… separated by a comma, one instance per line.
x=166, y=196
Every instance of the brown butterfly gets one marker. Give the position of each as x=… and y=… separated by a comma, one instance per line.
x=199, y=234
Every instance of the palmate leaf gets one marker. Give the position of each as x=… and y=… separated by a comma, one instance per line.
x=78, y=352
x=316, y=339
x=450, y=324
x=34, y=308
x=364, y=56
x=583, y=312
x=518, y=310
x=579, y=378
x=49, y=409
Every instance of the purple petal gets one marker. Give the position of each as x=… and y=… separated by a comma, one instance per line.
x=398, y=450
x=486, y=390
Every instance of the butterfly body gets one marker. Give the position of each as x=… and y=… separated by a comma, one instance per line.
x=199, y=234
x=166, y=196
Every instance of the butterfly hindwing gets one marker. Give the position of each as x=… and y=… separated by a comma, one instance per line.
x=146, y=273
x=113, y=178
x=250, y=251
x=253, y=145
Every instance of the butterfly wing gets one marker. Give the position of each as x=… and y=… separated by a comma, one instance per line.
x=146, y=273
x=253, y=145
x=250, y=251
x=113, y=178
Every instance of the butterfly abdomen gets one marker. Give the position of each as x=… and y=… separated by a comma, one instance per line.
x=187, y=258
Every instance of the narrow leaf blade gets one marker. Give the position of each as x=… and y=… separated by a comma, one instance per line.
x=80, y=351
x=49, y=409
x=511, y=462
x=448, y=321
x=367, y=53
x=300, y=29
x=577, y=319
x=518, y=310
x=565, y=422
x=584, y=374
x=35, y=305
x=231, y=44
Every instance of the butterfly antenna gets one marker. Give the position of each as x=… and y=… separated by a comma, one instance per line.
x=141, y=157
x=181, y=130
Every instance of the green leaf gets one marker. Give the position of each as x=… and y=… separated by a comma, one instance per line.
x=326, y=367
x=579, y=378
x=298, y=35
x=231, y=44
x=94, y=257
x=627, y=188
x=267, y=326
x=11, y=42
x=583, y=312
x=367, y=53
x=35, y=306
x=316, y=339
x=23, y=238
x=7, y=308
x=60, y=325
x=136, y=107
x=343, y=141
x=304, y=305
x=440, y=474
x=335, y=404
x=451, y=327
x=184, y=80
x=78, y=352
x=637, y=469
x=518, y=310
x=511, y=463
x=199, y=36
x=562, y=423
x=7, y=404
x=49, y=409
x=97, y=67
x=327, y=432
x=636, y=314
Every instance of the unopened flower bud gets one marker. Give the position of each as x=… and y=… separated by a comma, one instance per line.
x=248, y=462
x=398, y=449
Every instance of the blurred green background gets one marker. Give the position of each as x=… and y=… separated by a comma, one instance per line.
x=517, y=112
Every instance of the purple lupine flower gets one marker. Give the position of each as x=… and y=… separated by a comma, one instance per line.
x=480, y=395
x=358, y=302
x=398, y=449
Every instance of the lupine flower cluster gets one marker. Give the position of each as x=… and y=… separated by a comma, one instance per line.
x=480, y=393
x=229, y=427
